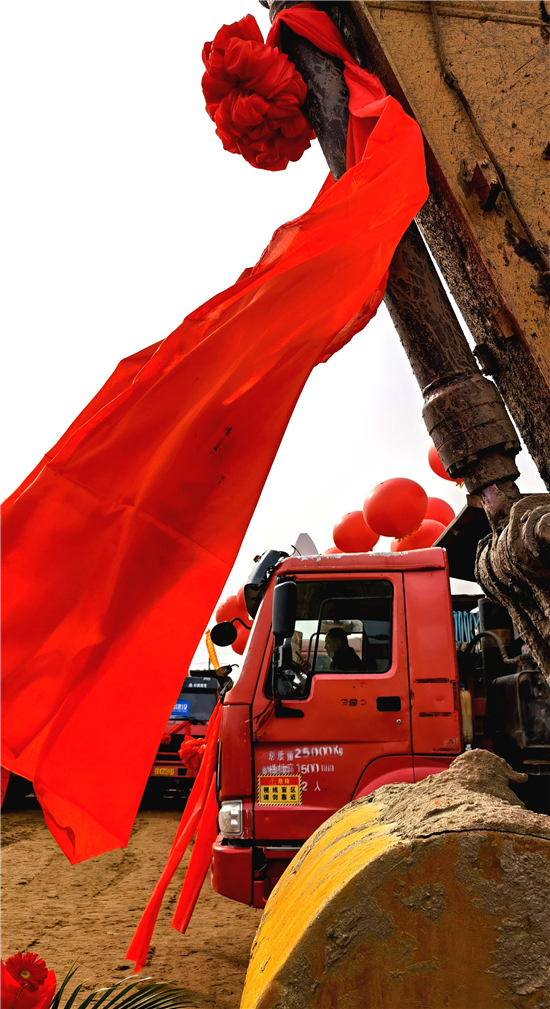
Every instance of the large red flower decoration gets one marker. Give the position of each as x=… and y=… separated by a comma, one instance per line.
x=26, y=982
x=254, y=93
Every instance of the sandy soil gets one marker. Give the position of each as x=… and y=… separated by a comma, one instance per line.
x=87, y=913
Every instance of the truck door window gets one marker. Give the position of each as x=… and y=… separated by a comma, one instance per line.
x=341, y=627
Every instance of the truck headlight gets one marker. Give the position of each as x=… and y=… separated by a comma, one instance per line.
x=230, y=817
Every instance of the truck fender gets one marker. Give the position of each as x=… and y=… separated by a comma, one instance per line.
x=384, y=771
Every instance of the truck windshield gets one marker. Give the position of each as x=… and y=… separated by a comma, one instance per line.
x=341, y=627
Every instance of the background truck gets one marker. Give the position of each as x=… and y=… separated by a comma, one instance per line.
x=305, y=731
x=169, y=777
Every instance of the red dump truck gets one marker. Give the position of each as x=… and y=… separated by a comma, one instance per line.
x=350, y=681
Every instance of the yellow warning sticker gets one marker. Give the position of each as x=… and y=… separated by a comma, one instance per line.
x=279, y=790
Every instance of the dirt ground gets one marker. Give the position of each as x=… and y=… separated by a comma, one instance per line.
x=87, y=913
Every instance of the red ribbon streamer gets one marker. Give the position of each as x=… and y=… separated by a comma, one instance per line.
x=199, y=863
x=137, y=514
x=379, y=121
x=197, y=811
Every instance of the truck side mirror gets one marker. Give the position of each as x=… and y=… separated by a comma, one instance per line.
x=283, y=622
x=284, y=610
x=224, y=634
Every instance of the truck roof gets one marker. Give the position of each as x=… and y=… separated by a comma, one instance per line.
x=276, y=562
x=406, y=560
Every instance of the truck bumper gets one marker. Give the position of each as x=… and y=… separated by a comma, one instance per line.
x=247, y=874
x=232, y=871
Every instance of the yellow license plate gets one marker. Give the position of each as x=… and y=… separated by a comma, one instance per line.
x=168, y=772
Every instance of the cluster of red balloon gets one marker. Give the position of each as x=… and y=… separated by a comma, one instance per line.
x=235, y=606
x=399, y=508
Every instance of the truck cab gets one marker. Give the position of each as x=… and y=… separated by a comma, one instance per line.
x=360, y=689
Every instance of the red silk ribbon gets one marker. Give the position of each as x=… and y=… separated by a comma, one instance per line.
x=377, y=127
x=136, y=516
x=368, y=100
x=200, y=815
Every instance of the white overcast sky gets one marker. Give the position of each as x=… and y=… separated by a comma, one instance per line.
x=122, y=213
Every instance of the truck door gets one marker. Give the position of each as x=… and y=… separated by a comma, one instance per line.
x=348, y=704
x=435, y=704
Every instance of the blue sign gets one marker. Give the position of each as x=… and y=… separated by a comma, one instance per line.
x=181, y=710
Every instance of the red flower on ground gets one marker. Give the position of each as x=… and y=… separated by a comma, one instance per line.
x=26, y=982
x=254, y=93
x=28, y=969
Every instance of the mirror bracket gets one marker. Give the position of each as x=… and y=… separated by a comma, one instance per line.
x=225, y=633
x=283, y=656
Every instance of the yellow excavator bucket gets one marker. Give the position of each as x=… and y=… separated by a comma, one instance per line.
x=426, y=896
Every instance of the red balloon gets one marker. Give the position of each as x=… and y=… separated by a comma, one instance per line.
x=352, y=534
x=227, y=609
x=395, y=507
x=332, y=550
x=437, y=466
x=440, y=511
x=230, y=609
x=241, y=600
x=429, y=531
x=239, y=644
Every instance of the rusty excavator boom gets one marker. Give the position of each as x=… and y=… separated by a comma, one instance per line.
x=475, y=77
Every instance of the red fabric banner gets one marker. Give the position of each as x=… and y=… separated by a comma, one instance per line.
x=118, y=545
x=200, y=814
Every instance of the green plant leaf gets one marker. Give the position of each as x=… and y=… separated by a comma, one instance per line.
x=72, y=997
x=143, y=993
x=105, y=992
x=57, y=997
x=150, y=995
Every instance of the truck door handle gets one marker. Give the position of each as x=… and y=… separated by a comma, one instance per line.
x=281, y=712
x=388, y=704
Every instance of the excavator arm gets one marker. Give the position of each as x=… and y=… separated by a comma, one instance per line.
x=455, y=66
